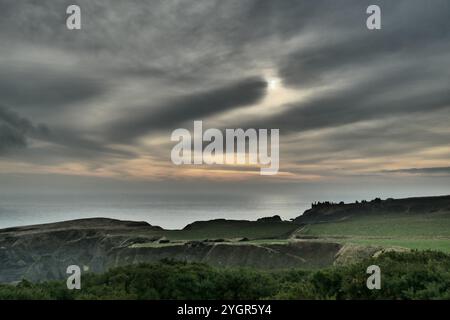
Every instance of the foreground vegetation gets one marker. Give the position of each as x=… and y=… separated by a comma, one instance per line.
x=415, y=275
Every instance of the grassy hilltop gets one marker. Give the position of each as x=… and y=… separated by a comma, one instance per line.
x=415, y=223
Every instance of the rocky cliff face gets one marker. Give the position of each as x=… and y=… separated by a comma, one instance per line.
x=264, y=256
x=45, y=251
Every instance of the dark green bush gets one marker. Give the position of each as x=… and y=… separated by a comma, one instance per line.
x=415, y=275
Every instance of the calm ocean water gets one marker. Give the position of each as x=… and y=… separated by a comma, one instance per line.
x=167, y=211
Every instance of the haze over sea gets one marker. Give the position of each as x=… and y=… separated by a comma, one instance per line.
x=171, y=211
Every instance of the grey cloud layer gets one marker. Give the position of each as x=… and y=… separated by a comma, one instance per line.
x=440, y=171
x=144, y=67
x=191, y=107
x=410, y=30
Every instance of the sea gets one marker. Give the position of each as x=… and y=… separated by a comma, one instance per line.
x=169, y=211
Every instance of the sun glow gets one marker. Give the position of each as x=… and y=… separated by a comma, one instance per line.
x=273, y=83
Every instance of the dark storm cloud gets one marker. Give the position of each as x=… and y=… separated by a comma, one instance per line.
x=14, y=130
x=191, y=107
x=74, y=143
x=22, y=87
x=10, y=138
x=42, y=90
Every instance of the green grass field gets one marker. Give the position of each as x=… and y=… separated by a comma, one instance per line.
x=226, y=230
x=234, y=229
x=413, y=231
x=421, y=232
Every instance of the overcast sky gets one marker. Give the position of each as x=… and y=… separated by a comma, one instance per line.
x=351, y=104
